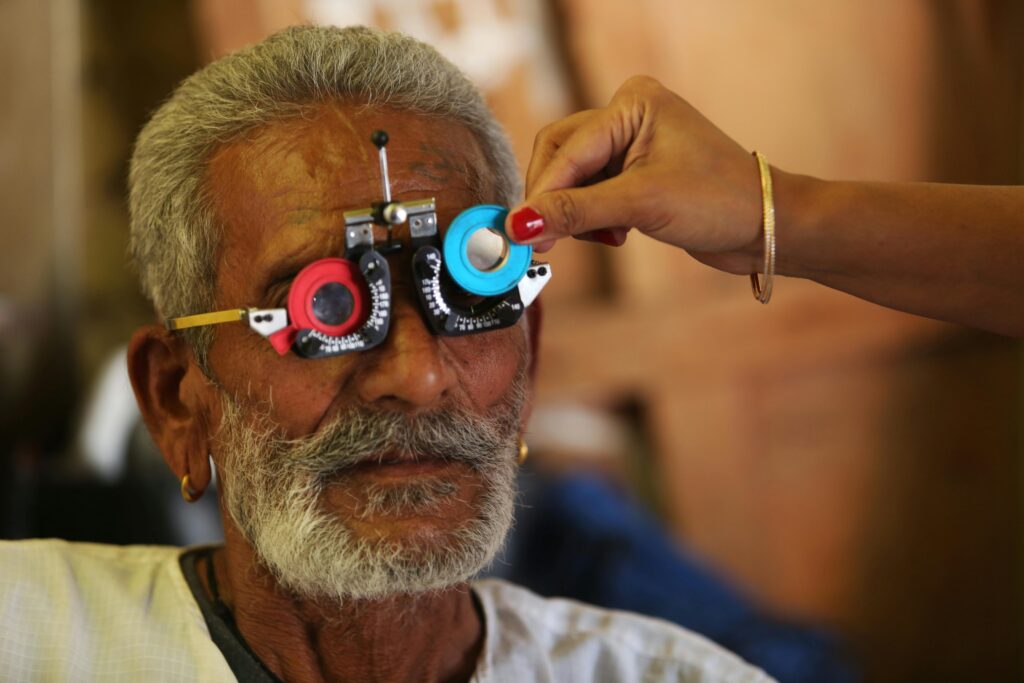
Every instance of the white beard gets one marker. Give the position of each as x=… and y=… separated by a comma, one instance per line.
x=272, y=487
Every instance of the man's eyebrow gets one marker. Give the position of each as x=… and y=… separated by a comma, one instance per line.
x=300, y=215
x=481, y=187
x=440, y=167
x=281, y=263
x=280, y=271
x=276, y=269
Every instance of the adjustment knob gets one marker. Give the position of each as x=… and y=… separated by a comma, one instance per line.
x=394, y=213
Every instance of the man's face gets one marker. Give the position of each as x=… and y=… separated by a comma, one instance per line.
x=392, y=461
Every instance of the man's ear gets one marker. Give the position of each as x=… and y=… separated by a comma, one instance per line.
x=175, y=399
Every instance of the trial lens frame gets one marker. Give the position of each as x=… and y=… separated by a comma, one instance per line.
x=340, y=305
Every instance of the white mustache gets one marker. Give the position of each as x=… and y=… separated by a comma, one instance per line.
x=360, y=435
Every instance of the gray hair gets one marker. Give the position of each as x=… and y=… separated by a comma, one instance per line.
x=173, y=233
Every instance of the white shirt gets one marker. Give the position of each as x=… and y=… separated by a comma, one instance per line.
x=85, y=612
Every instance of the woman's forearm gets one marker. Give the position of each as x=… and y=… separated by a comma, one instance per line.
x=954, y=252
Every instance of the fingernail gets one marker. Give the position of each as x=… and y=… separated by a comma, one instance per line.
x=606, y=237
x=526, y=224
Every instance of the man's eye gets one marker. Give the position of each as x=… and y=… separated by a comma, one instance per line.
x=277, y=294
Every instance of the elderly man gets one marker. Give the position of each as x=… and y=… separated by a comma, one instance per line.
x=360, y=492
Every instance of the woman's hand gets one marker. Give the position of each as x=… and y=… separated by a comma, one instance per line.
x=650, y=161
x=647, y=161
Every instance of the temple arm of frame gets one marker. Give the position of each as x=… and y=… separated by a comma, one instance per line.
x=536, y=278
x=266, y=321
x=202, y=319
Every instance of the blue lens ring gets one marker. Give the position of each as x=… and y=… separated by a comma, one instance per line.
x=456, y=254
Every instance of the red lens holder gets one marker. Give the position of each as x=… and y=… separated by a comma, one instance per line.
x=314, y=276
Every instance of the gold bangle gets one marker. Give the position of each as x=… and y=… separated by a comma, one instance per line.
x=764, y=292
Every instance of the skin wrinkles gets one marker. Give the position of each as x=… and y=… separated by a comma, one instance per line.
x=442, y=166
x=279, y=194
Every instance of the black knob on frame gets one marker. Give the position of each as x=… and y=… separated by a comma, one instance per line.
x=379, y=138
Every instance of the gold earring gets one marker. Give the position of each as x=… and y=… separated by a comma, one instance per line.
x=524, y=451
x=187, y=492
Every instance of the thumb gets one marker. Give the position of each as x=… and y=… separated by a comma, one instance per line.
x=574, y=211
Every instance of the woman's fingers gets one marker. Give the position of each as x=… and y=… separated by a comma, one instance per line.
x=613, y=203
x=612, y=237
x=647, y=160
x=590, y=146
x=548, y=141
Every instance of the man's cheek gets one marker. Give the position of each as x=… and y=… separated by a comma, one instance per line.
x=489, y=363
x=292, y=399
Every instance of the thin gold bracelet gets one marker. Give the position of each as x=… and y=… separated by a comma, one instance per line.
x=764, y=292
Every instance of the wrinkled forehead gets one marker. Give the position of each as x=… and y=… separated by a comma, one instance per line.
x=290, y=181
x=330, y=145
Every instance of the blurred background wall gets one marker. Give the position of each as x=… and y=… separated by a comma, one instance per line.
x=842, y=463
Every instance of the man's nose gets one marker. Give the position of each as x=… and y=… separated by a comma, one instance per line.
x=410, y=370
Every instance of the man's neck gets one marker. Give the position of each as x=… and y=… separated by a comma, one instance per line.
x=436, y=636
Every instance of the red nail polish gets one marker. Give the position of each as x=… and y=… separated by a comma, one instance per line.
x=526, y=223
x=605, y=237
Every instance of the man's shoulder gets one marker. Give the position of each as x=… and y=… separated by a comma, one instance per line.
x=53, y=564
x=43, y=551
x=565, y=636
x=86, y=582
x=99, y=610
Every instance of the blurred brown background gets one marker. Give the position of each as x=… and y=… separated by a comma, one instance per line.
x=840, y=462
